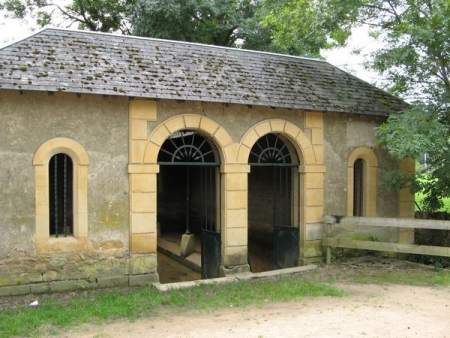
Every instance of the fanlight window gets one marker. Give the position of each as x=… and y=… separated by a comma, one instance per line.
x=270, y=149
x=186, y=147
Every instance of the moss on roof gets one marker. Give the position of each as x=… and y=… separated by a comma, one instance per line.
x=96, y=63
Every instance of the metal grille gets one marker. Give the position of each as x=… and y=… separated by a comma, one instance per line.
x=208, y=196
x=271, y=163
x=186, y=147
x=61, y=192
x=196, y=158
x=282, y=196
x=358, y=185
x=270, y=150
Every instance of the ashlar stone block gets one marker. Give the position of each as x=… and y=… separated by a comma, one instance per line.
x=143, y=183
x=142, y=223
x=314, y=197
x=277, y=125
x=192, y=121
x=314, y=120
x=235, y=182
x=317, y=136
x=138, y=130
x=314, y=181
x=143, y=243
x=313, y=214
x=236, y=218
x=143, y=202
x=236, y=236
x=236, y=200
x=143, y=109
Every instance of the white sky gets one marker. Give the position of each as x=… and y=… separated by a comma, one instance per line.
x=13, y=30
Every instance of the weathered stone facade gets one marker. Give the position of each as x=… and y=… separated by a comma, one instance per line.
x=114, y=142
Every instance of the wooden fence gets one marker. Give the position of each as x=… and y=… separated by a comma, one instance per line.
x=334, y=222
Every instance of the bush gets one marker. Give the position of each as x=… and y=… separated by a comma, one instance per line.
x=432, y=237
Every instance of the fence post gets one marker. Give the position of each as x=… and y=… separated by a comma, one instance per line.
x=327, y=228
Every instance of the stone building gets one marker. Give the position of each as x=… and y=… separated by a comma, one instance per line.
x=108, y=142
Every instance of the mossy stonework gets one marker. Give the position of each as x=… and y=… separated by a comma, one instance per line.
x=108, y=104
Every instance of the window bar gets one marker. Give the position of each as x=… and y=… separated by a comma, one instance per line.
x=281, y=203
x=188, y=230
x=207, y=225
x=274, y=202
x=291, y=196
x=212, y=204
x=358, y=188
x=192, y=145
x=65, y=196
x=203, y=199
x=208, y=212
x=55, y=190
x=288, y=195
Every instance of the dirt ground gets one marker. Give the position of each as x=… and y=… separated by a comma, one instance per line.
x=382, y=310
x=368, y=311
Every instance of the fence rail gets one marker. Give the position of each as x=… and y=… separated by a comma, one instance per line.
x=335, y=221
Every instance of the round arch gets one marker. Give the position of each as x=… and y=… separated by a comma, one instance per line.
x=204, y=125
x=287, y=129
x=274, y=234
x=365, y=154
x=61, y=145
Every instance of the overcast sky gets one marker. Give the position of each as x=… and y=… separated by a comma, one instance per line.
x=13, y=30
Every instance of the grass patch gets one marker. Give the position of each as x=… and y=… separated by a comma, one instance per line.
x=418, y=197
x=405, y=277
x=98, y=306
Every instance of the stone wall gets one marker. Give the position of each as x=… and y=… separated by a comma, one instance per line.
x=343, y=133
x=100, y=125
x=122, y=138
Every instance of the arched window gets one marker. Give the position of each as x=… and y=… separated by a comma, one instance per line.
x=362, y=183
x=61, y=166
x=61, y=195
x=358, y=187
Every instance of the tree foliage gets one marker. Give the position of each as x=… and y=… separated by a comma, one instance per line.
x=411, y=134
x=96, y=15
x=250, y=24
x=414, y=57
x=305, y=27
x=416, y=60
x=219, y=22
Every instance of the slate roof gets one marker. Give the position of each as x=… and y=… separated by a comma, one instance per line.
x=96, y=63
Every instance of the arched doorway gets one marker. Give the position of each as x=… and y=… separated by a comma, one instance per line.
x=188, y=201
x=273, y=199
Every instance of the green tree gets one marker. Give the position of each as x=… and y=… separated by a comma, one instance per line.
x=220, y=22
x=305, y=27
x=230, y=23
x=96, y=15
x=250, y=24
x=415, y=60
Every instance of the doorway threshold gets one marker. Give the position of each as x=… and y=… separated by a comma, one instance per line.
x=235, y=278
